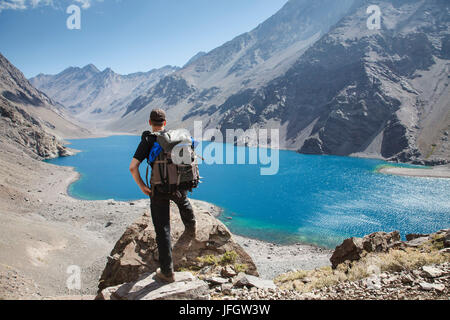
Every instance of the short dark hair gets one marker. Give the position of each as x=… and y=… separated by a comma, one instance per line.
x=158, y=116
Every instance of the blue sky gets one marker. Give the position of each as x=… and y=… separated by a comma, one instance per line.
x=126, y=35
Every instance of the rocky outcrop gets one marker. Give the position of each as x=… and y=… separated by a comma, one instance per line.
x=349, y=250
x=380, y=241
x=391, y=269
x=354, y=248
x=149, y=287
x=136, y=252
x=205, y=286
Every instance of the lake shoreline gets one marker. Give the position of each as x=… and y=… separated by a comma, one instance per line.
x=442, y=172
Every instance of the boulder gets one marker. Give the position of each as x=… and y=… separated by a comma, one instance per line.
x=417, y=242
x=380, y=241
x=432, y=272
x=372, y=283
x=216, y=280
x=350, y=250
x=245, y=280
x=413, y=236
x=228, y=272
x=149, y=287
x=447, y=239
x=136, y=252
x=432, y=286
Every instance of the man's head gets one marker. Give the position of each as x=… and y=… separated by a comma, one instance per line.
x=157, y=119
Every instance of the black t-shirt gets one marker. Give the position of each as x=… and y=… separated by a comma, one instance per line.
x=145, y=146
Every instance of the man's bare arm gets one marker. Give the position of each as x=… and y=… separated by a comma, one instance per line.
x=134, y=169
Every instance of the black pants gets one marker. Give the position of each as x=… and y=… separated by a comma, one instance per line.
x=160, y=208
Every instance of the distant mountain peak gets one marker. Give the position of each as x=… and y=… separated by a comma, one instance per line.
x=91, y=67
x=195, y=58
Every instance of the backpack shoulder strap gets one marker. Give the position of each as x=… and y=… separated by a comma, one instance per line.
x=149, y=137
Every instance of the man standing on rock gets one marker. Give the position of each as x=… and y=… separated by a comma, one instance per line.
x=160, y=199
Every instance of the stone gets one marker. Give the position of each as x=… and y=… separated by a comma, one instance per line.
x=149, y=287
x=447, y=239
x=206, y=270
x=372, y=283
x=228, y=272
x=380, y=241
x=136, y=251
x=216, y=280
x=350, y=250
x=416, y=242
x=413, y=236
x=432, y=272
x=407, y=279
x=245, y=280
x=226, y=288
x=431, y=286
x=445, y=250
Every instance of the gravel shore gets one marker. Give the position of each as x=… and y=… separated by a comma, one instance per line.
x=434, y=172
x=273, y=259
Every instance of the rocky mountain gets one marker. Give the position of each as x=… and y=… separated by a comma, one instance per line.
x=30, y=120
x=96, y=97
x=381, y=93
x=248, y=61
x=347, y=90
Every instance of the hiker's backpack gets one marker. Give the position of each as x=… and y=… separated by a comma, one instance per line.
x=168, y=174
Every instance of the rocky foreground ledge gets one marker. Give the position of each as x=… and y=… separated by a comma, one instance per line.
x=136, y=252
x=211, y=265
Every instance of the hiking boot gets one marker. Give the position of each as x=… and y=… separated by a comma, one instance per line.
x=169, y=278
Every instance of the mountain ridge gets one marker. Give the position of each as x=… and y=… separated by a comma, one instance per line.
x=30, y=120
x=94, y=96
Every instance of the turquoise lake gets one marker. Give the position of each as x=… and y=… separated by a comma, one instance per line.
x=313, y=199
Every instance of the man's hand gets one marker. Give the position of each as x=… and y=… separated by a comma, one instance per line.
x=146, y=190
